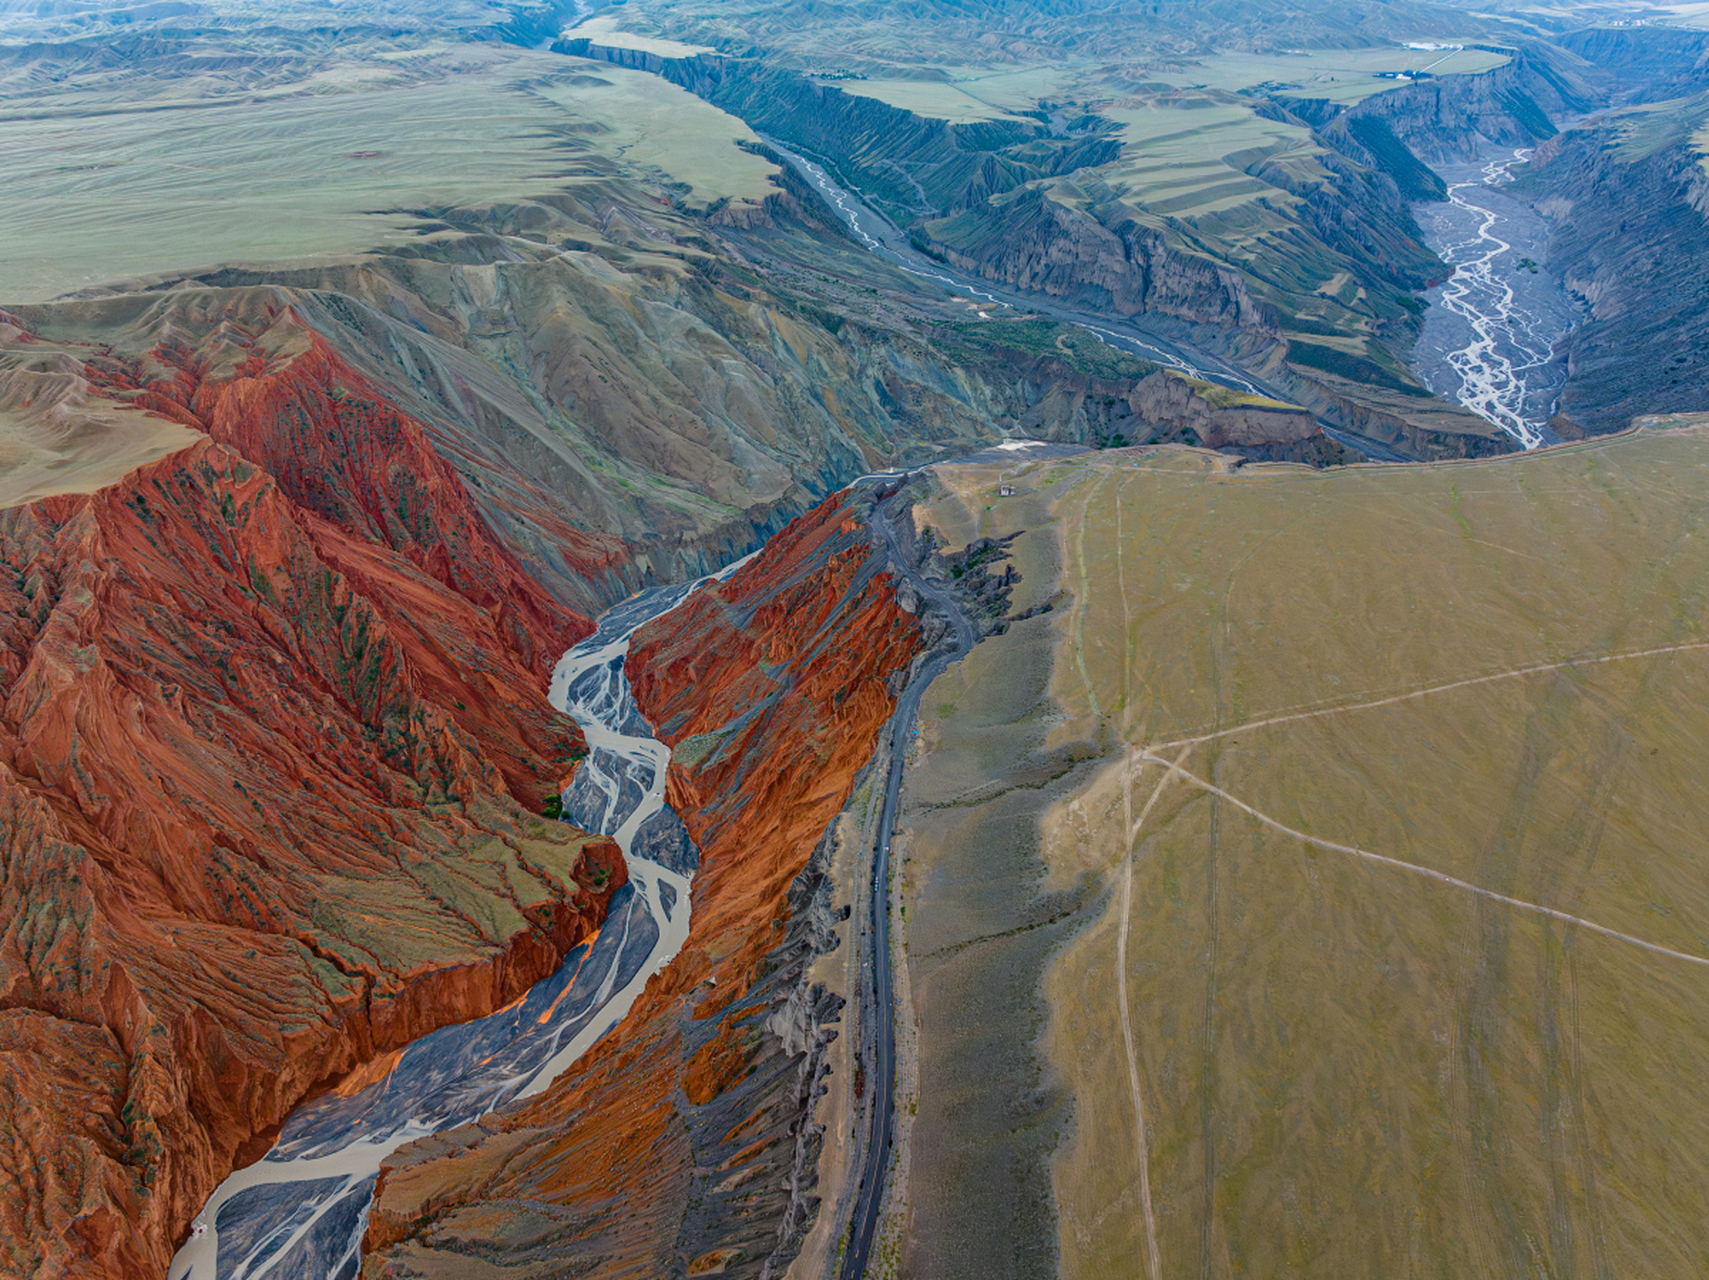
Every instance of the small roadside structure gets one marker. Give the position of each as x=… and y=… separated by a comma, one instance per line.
x=1006, y=491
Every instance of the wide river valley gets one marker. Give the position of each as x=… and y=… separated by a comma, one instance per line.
x=300, y=1213
x=1490, y=333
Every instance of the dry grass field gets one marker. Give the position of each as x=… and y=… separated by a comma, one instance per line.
x=974, y=92
x=1367, y=858
x=118, y=183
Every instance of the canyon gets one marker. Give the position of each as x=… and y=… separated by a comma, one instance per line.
x=771, y=689
x=663, y=639
x=1489, y=339
x=268, y=790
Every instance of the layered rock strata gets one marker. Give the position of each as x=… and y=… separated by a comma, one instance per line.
x=272, y=724
x=684, y=1140
x=1452, y=117
x=1629, y=200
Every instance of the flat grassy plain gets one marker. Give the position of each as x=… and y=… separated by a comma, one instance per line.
x=936, y=100
x=119, y=183
x=1374, y=796
x=1338, y=75
x=973, y=92
x=602, y=30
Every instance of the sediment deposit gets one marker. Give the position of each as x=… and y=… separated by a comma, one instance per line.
x=685, y=1137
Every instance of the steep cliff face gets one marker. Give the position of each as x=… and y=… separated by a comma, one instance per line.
x=948, y=166
x=1330, y=249
x=1629, y=199
x=1170, y=405
x=613, y=417
x=1368, y=399
x=265, y=767
x=1517, y=105
x=1057, y=201
x=336, y=446
x=1644, y=64
x=1038, y=244
x=682, y=1140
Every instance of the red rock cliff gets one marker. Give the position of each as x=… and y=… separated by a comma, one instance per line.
x=671, y=1142
x=272, y=720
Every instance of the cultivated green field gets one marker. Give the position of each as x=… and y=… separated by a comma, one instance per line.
x=1371, y=799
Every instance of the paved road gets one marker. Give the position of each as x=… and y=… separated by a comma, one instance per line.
x=1127, y=333
x=870, y=1198
x=1130, y=333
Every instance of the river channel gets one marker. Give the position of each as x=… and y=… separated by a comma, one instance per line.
x=1125, y=333
x=300, y=1212
x=1490, y=334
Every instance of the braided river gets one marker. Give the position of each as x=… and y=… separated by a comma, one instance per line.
x=301, y=1212
x=1490, y=334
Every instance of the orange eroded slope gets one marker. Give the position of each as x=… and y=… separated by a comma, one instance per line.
x=267, y=711
x=676, y=1141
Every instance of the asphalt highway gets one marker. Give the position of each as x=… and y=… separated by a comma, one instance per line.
x=870, y=1198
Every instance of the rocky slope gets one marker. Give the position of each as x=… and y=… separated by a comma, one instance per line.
x=1629, y=199
x=1516, y=105
x=1044, y=206
x=684, y=1139
x=274, y=729
x=607, y=386
x=1039, y=244
x=910, y=165
x=264, y=781
x=1644, y=64
x=272, y=725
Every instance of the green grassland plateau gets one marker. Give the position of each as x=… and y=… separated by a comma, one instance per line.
x=1363, y=929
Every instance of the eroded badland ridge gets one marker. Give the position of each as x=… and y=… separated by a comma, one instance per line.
x=1295, y=867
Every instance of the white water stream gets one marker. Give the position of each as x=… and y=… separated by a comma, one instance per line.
x=300, y=1213
x=1489, y=341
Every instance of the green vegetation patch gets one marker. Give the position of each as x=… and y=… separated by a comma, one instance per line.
x=1222, y=397
x=692, y=752
x=1049, y=339
x=1416, y=180
x=1343, y=364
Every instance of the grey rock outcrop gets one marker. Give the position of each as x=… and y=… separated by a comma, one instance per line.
x=663, y=839
x=1039, y=244
x=1631, y=240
